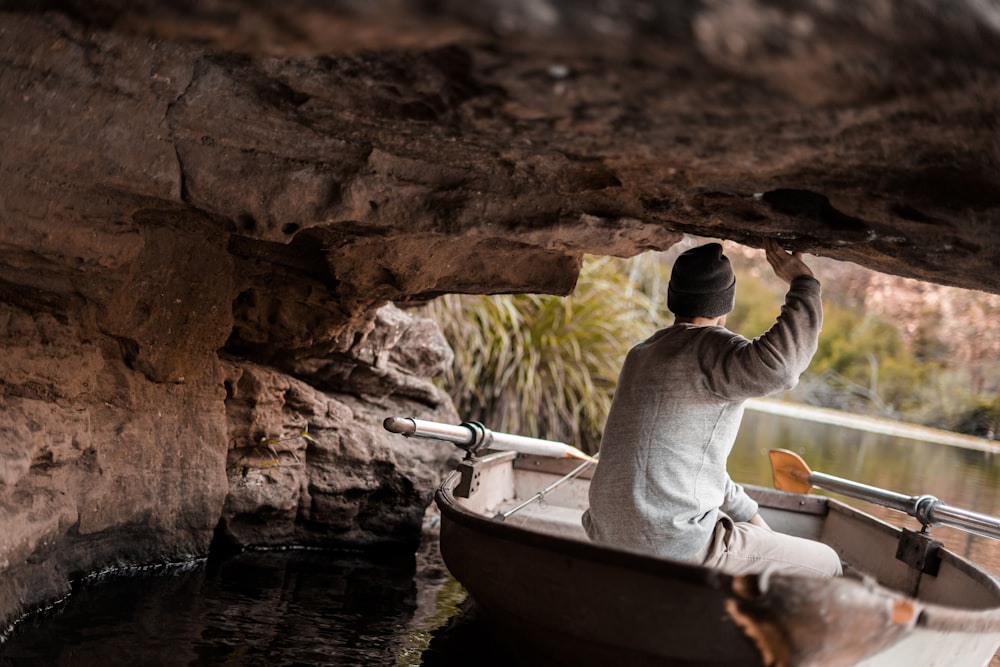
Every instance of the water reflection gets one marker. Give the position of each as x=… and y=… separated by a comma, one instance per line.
x=960, y=477
x=270, y=608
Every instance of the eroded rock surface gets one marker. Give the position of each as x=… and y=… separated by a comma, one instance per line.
x=205, y=208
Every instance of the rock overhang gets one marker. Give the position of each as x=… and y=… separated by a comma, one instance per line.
x=412, y=149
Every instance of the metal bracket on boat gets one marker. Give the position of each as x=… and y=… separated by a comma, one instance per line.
x=919, y=551
x=923, y=510
x=482, y=437
x=468, y=482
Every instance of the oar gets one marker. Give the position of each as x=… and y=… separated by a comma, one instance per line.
x=473, y=437
x=792, y=474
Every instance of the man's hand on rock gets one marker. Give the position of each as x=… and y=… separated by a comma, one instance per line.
x=787, y=266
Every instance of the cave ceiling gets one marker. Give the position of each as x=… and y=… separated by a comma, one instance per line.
x=393, y=150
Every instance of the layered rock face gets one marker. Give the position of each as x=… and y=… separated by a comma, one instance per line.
x=206, y=210
x=103, y=466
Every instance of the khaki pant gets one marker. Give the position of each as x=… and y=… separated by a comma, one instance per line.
x=743, y=548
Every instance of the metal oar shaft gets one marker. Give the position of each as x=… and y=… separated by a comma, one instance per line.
x=927, y=509
x=421, y=428
x=974, y=522
x=871, y=494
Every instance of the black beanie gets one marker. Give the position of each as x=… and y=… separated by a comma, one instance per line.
x=702, y=283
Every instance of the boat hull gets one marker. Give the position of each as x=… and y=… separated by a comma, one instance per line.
x=555, y=598
x=554, y=605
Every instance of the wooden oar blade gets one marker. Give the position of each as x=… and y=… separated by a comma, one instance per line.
x=790, y=472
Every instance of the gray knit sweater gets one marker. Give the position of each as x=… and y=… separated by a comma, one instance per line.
x=662, y=481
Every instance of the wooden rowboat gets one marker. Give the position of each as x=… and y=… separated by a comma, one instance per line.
x=555, y=598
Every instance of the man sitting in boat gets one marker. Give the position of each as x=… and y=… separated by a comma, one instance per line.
x=661, y=485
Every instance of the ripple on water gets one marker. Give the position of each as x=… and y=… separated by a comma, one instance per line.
x=257, y=608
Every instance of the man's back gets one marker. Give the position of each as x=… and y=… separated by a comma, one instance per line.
x=679, y=401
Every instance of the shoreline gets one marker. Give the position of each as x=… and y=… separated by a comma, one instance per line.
x=872, y=424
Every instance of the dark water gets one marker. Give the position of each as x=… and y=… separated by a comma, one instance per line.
x=322, y=608
x=259, y=608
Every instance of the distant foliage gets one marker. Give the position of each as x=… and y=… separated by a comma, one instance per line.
x=757, y=303
x=865, y=365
